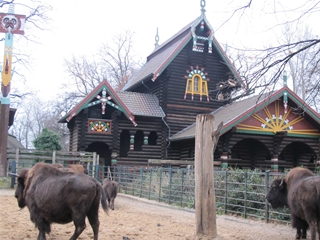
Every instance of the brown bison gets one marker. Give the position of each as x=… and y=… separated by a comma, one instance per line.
x=111, y=189
x=300, y=192
x=54, y=196
x=76, y=168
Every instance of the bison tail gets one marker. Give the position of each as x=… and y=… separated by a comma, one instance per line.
x=103, y=200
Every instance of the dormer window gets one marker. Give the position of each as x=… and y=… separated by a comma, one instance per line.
x=196, y=84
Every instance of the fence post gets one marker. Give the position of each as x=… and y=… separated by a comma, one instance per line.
x=226, y=192
x=17, y=157
x=160, y=184
x=170, y=183
x=182, y=188
x=54, y=156
x=94, y=160
x=150, y=182
x=96, y=173
x=267, y=177
x=245, y=193
x=141, y=179
x=119, y=176
x=13, y=170
x=134, y=179
x=205, y=204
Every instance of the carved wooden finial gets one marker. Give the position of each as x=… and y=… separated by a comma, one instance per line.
x=157, y=40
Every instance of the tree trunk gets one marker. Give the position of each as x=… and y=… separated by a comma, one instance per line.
x=205, y=204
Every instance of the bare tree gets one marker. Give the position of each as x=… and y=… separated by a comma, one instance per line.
x=32, y=116
x=113, y=62
x=84, y=75
x=304, y=71
x=262, y=68
x=118, y=61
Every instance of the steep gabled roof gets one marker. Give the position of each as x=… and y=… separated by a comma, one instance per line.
x=236, y=112
x=131, y=104
x=141, y=104
x=13, y=142
x=163, y=55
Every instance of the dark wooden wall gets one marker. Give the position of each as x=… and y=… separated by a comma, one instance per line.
x=180, y=112
x=256, y=151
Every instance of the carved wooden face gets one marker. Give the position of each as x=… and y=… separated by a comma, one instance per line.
x=10, y=22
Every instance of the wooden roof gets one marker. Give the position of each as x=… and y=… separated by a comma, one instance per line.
x=131, y=104
x=13, y=142
x=163, y=55
x=232, y=115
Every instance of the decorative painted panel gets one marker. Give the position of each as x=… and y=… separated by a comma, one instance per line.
x=275, y=118
x=99, y=126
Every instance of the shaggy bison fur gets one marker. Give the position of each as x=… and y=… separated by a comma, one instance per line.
x=111, y=189
x=300, y=192
x=54, y=196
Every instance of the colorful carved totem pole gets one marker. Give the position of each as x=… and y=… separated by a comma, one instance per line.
x=9, y=24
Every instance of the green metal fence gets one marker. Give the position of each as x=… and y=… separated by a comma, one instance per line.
x=240, y=192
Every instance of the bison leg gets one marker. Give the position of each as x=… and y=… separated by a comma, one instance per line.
x=44, y=227
x=95, y=223
x=301, y=226
x=80, y=225
x=319, y=229
x=41, y=235
x=112, y=204
x=313, y=230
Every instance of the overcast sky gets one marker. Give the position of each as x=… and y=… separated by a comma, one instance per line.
x=80, y=27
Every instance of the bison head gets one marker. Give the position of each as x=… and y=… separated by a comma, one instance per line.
x=277, y=195
x=19, y=194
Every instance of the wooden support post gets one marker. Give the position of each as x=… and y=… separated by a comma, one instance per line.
x=274, y=164
x=10, y=24
x=205, y=204
x=4, y=122
x=54, y=156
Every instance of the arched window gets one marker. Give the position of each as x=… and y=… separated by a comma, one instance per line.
x=197, y=84
x=138, y=140
x=124, y=143
x=152, y=138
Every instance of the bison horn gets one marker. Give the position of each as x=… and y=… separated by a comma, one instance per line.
x=281, y=182
x=14, y=174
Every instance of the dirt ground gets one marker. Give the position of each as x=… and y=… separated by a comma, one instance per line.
x=137, y=219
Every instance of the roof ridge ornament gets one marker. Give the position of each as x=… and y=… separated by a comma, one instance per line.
x=202, y=5
x=157, y=40
x=202, y=32
x=285, y=94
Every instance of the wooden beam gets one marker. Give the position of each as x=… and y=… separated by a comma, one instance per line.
x=205, y=204
x=177, y=162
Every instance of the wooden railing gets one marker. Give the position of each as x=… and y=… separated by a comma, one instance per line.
x=49, y=156
x=26, y=158
x=176, y=162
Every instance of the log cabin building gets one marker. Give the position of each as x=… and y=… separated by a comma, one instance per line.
x=153, y=116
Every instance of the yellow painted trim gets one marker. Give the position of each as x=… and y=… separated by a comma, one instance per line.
x=275, y=125
x=202, y=86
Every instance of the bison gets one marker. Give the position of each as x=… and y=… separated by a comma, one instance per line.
x=111, y=189
x=54, y=196
x=300, y=192
x=76, y=168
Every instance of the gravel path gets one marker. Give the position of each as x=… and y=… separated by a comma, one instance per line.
x=138, y=219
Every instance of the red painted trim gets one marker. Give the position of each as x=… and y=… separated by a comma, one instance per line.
x=266, y=102
x=93, y=94
x=170, y=57
x=217, y=44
